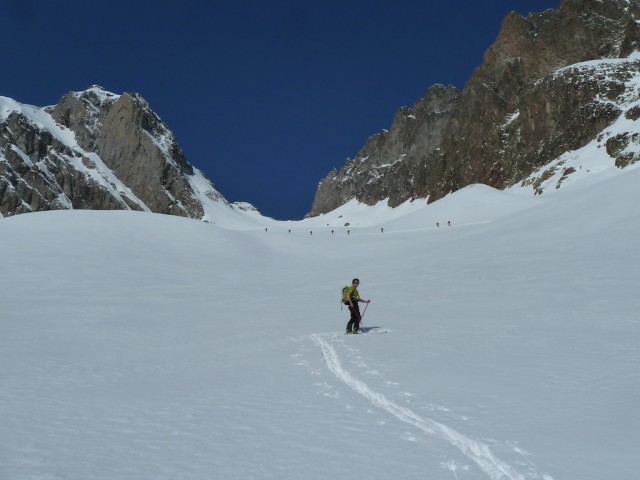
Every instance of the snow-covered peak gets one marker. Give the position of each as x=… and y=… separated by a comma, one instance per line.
x=8, y=106
x=98, y=92
x=82, y=138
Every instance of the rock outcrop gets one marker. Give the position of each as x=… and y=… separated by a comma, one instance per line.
x=95, y=150
x=382, y=169
x=521, y=108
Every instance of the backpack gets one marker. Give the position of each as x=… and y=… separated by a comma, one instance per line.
x=345, y=291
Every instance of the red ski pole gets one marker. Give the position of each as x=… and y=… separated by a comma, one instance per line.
x=363, y=312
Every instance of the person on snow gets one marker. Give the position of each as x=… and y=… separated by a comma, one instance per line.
x=353, y=297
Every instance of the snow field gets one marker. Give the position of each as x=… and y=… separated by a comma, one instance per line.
x=152, y=347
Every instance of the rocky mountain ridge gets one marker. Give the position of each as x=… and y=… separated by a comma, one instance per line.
x=523, y=107
x=98, y=150
x=552, y=83
x=382, y=169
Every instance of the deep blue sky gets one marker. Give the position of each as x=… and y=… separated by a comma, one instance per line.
x=265, y=97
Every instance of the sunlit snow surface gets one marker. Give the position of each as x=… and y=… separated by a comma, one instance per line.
x=504, y=346
x=502, y=340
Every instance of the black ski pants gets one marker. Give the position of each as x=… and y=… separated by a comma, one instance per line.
x=354, y=321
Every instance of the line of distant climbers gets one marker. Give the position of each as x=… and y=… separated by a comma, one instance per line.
x=349, y=231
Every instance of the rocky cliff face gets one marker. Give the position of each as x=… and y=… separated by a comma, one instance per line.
x=521, y=109
x=382, y=169
x=95, y=150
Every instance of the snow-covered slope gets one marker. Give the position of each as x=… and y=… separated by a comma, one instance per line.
x=616, y=147
x=155, y=347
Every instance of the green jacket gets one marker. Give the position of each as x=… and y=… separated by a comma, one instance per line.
x=353, y=292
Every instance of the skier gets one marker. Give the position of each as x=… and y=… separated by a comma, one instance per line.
x=353, y=297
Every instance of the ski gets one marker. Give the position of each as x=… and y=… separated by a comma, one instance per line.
x=369, y=331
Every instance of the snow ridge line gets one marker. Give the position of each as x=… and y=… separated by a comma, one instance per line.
x=476, y=451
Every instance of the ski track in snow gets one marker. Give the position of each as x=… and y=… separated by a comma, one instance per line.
x=474, y=450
